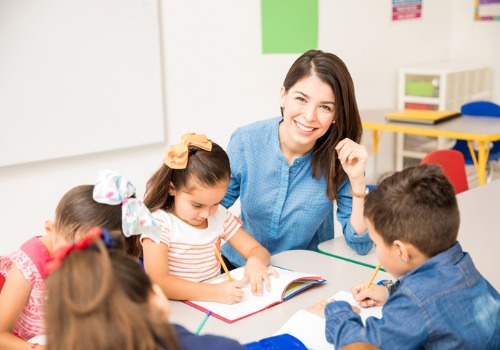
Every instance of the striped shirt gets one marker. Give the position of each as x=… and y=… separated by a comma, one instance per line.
x=190, y=250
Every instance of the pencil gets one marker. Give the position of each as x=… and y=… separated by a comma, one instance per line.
x=228, y=275
x=369, y=283
x=207, y=315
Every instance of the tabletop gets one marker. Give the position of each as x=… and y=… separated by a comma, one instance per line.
x=340, y=275
x=463, y=127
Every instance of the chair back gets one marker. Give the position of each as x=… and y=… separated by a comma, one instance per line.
x=453, y=164
x=479, y=109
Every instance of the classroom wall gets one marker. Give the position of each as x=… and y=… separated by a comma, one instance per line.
x=216, y=79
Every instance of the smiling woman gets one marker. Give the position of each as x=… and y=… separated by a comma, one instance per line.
x=288, y=170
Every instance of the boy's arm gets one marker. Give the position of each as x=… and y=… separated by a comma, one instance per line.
x=176, y=288
x=402, y=326
x=257, y=258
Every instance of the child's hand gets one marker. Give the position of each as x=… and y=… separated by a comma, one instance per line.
x=257, y=274
x=319, y=308
x=373, y=296
x=231, y=292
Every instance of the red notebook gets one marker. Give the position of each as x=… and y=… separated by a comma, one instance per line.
x=287, y=285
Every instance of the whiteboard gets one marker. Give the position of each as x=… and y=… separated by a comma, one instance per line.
x=78, y=77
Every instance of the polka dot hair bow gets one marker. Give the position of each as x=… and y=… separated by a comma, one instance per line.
x=113, y=189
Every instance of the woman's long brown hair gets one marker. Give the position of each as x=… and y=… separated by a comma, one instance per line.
x=331, y=70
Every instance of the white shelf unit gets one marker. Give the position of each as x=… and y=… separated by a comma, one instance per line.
x=439, y=86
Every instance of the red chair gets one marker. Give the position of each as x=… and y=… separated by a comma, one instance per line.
x=453, y=164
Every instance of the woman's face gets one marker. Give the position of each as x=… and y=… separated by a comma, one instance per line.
x=309, y=111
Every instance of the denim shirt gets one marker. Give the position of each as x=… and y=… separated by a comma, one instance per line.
x=283, y=207
x=443, y=304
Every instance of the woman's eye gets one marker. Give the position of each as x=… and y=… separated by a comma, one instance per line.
x=300, y=98
x=326, y=108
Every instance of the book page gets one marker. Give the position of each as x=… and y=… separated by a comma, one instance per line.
x=309, y=328
x=252, y=303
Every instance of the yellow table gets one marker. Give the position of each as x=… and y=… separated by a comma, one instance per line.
x=468, y=128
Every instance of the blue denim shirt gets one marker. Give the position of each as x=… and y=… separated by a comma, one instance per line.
x=443, y=304
x=282, y=206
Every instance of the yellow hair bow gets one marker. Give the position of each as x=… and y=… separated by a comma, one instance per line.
x=177, y=155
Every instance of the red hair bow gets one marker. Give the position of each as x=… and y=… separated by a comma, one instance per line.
x=59, y=254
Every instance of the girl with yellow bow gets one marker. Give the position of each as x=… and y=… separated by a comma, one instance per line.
x=184, y=196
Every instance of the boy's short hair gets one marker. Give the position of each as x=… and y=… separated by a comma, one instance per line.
x=418, y=206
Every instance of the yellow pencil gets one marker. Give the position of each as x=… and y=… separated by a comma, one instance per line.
x=369, y=283
x=217, y=253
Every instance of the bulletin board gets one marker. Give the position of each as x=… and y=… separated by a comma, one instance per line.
x=78, y=77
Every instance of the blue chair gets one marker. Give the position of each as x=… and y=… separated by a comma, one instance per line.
x=479, y=109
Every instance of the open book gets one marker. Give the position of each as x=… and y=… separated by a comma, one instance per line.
x=310, y=328
x=287, y=285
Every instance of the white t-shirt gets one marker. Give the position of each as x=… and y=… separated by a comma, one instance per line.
x=191, y=250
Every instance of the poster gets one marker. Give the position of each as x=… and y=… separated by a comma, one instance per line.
x=487, y=10
x=289, y=26
x=406, y=9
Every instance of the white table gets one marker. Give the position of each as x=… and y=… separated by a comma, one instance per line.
x=479, y=233
x=338, y=248
x=340, y=275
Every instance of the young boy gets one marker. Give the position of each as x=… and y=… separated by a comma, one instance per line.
x=440, y=300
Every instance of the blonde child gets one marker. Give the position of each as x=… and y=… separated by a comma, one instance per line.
x=22, y=296
x=184, y=196
x=102, y=299
x=440, y=300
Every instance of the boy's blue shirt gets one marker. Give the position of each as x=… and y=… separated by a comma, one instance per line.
x=283, y=206
x=443, y=304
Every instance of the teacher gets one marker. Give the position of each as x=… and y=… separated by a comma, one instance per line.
x=288, y=170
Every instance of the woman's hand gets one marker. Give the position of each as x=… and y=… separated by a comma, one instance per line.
x=258, y=274
x=373, y=296
x=353, y=158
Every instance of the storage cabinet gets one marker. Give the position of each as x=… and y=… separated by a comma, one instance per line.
x=439, y=86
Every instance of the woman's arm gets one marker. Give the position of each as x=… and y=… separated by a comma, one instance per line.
x=235, y=158
x=13, y=299
x=353, y=158
x=156, y=266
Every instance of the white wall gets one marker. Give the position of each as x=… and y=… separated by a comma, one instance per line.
x=216, y=79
